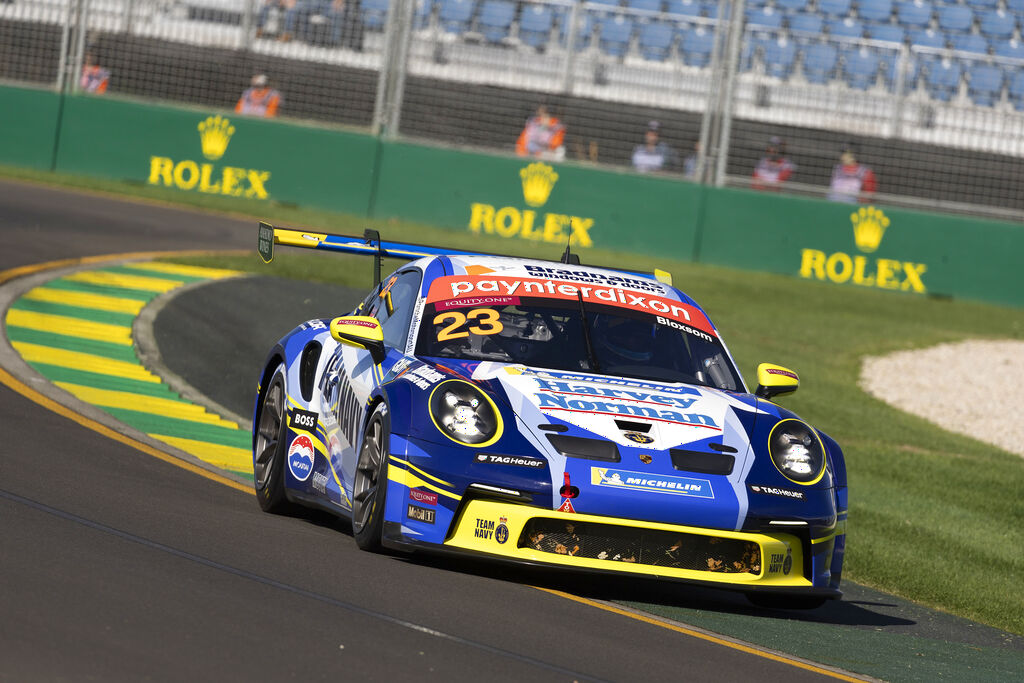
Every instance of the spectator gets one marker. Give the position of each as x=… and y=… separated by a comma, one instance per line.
x=690, y=162
x=260, y=99
x=94, y=77
x=851, y=181
x=653, y=155
x=774, y=168
x=332, y=11
x=543, y=137
x=289, y=8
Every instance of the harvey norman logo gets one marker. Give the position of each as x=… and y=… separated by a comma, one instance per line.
x=215, y=134
x=538, y=181
x=869, y=226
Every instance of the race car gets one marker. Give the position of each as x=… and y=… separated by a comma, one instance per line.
x=550, y=414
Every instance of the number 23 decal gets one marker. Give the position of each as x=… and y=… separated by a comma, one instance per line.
x=485, y=319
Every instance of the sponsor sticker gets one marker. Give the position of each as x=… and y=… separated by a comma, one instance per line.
x=320, y=482
x=425, y=515
x=652, y=483
x=566, y=506
x=421, y=496
x=638, y=437
x=300, y=457
x=781, y=563
x=776, y=491
x=357, y=323
x=476, y=301
x=646, y=458
x=302, y=419
x=516, y=460
x=484, y=529
x=315, y=324
x=780, y=371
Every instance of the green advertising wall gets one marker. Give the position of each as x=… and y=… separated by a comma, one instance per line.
x=28, y=127
x=198, y=151
x=518, y=199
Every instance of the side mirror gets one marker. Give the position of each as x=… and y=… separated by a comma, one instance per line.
x=362, y=331
x=774, y=380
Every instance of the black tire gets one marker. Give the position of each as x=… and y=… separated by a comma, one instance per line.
x=369, y=488
x=776, y=601
x=269, y=449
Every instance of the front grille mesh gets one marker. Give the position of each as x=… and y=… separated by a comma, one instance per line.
x=642, y=546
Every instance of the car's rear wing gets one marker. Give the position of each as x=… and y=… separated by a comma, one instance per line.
x=370, y=244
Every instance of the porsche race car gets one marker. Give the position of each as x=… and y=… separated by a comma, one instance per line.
x=550, y=414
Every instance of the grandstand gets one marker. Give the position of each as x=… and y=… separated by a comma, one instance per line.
x=933, y=92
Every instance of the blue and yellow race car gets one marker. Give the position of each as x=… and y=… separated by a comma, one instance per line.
x=550, y=414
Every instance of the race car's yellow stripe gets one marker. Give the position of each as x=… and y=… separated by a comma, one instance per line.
x=164, y=407
x=407, y=478
x=227, y=457
x=70, y=327
x=298, y=238
x=76, y=360
x=148, y=284
x=187, y=271
x=838, y=531
x=425, y=474
x=97, y=302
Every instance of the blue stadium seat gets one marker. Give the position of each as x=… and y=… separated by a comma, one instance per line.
x=997, y=24
x=928, y=38
x=983, y=4
x=495, y=20
x=1010, y=49
x=860, y=68
x=616, y=31
x=535, y=24
x=764, y=19
x=892, y=33
x=820, y=62
x=805, y=27
x=834, y=8
x=984, y=84
x=655, y=41
x=779, y=57
x=943, y=79
x=374, y=13
x=970, y=42
x=914, y=13
x=697, y=45
x=1016, y=90
x=454, y=15
x=791, y=5
x=956, y=18
x=421, y=16
x=686, y=8
x=874, y=10
x=584, y=33
x=646, y=5
x=1014, y=6
x=845, y=28
x=891, y=63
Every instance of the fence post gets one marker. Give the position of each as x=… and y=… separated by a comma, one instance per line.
x=570, y=47
x=729, y=88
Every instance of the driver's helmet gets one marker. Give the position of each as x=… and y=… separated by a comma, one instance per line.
x=627, y=339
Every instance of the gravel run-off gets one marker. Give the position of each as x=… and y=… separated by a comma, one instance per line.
x=968, y=387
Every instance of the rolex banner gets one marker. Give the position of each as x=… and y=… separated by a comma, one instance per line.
x=217, y=154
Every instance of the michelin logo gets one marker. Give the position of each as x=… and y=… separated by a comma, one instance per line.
x=638, y=481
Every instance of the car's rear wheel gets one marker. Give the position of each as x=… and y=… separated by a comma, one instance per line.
x=369, y=487
x=269, y=451
x=775, y=601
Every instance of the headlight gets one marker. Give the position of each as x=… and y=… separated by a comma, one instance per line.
x=465, y=414
x=797, y=451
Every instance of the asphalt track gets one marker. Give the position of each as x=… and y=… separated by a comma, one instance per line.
x=115, y=565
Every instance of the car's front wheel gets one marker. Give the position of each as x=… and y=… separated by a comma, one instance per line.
x=269, y=450
x=371, y=482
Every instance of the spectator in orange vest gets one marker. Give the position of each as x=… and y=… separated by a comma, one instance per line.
x=260, y=99
x=94, y=78
x=543, y=136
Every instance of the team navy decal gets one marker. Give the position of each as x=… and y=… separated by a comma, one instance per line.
x=654, y=483
x=300, y=457
x=303, y=419
x=501, y=531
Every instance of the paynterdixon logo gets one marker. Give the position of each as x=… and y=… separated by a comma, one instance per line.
x=215, y=134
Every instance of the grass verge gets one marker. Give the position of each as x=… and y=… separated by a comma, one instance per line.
x=935, y=517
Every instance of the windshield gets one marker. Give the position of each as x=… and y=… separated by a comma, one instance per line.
x=547, y=333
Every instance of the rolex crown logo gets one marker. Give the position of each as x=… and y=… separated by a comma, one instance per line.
x=215, y=133
x=538, y=181
x=869, y=226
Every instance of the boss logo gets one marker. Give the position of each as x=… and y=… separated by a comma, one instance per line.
x=303, y=419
